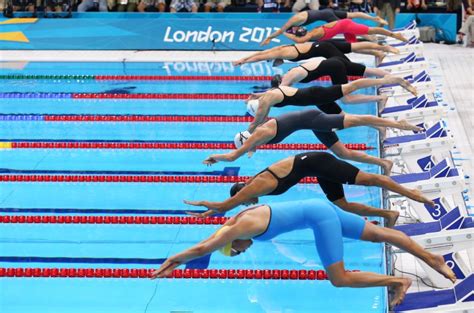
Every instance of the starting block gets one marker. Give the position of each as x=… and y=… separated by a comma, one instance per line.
x=416, y=110
x=451, y=234
x=408, y=63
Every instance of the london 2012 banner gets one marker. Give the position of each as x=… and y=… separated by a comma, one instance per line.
x=136, y=31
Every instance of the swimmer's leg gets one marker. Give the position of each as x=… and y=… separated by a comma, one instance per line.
x=281, y=52
x=365, y=16
x=400, y=240
x=340, y=278
x=340, y=150
x=373, y=82
x=364, y=46
x=377, y=72
x=353, y=120
x=383, y=31
x=368, y=179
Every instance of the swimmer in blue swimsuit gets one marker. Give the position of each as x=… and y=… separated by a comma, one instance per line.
x=331, y=173
x=329, y=225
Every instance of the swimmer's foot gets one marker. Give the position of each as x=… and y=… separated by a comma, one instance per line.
x=438, y=264
x=381, y=21
x=391, y=219
x=277, y=62
x=391, y=79
x=419, y=197
x=399, y=37
x=399, y=291
x=379, y=56
x=391, y=49
x=387, y=167
x=382, y=102
x=404, y=125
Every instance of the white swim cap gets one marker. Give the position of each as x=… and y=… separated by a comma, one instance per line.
x=240, y=138
x=252, y=107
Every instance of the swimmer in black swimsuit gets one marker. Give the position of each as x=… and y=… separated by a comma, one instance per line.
x=331, y=172
x=308, y=50
x=323, y=125
x=319, y=96
x=338, y=68
x=326, y=15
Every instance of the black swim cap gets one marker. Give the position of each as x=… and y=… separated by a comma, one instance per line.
x=236, y=188
x=276, y=80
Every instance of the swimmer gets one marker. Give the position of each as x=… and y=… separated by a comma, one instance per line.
x=325, y=49
x=326, y=15
x=329, y=225
x=331, y=173
x=347, y=27
x=338, y=69
x=323, y=125
x=316, y=95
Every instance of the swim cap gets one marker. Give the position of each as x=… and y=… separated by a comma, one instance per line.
x=227, y=249
x=298, y=31
x=276, y=80
x=240, y=138
x=252, y=107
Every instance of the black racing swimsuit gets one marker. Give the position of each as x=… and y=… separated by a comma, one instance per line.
x=322, y=125
x=326, y=15
x=331, y=172
x=337, y=68
x=326, y=49
x=314, y=95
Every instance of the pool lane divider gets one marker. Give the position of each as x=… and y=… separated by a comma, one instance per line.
x=247, y=274
x=95, y=219
x=125, y=118
x=143, y=96
x=203, y=145
x=150, y=77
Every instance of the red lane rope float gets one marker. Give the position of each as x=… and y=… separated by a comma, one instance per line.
x=99, y=219
x=161, y=145
x=248, y=274
x=196, y=77
x=133, y=179
x=164, y=96
x=148, y=118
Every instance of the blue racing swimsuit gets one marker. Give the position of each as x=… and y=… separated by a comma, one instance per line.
x=329, y=224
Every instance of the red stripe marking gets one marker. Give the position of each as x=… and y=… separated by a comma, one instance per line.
x=164, y=96
x=147, y=118
x=133, y=179
x=249, y=274
x=205, y=78
x=107, y=219
x=160, y=145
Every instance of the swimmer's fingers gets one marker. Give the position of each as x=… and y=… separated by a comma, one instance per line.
x=202, y=215
x=165, y=269
x=250, y=153
x=209, y=161
x=265, y=42
x=195, y=203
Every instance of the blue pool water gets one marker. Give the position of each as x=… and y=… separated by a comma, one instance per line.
x=145, y=246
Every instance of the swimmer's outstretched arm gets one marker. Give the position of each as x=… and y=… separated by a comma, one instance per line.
x=252, y=190
x=295, y=20
x=207, y=246
x=297, y=39
x=259, y=137
x=264, y=55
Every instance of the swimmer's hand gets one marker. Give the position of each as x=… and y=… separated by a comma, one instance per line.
x=251, y=152
x=165, y=269
x=212, y=208
x=266, y=41
x=210, y=160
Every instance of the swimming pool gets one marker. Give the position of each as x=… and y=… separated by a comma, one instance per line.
x=122, y=162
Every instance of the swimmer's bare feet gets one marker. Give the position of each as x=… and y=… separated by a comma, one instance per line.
x=399, y=37
x=392, y=219
x=438, y=264
x=381, y=20
x=418, y=196
x=391, y=79
x=400, y=291
x=379, y=56
x=392, y=49
x=387, y=167
x=382, y=102
x=403, y=124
